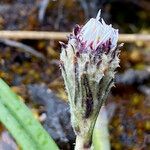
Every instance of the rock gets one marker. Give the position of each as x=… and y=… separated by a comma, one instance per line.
x=57, y=122
x=133, y=77
x=7, y=142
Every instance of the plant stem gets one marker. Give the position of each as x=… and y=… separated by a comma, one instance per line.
x=81, y=145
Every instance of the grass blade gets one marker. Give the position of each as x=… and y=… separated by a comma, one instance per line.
x=23, y=116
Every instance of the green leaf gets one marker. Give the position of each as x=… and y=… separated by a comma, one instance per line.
x=21, y=123
x=101, y=139
x=16, y=129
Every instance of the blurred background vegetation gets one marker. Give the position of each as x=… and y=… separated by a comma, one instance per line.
x=128, y=102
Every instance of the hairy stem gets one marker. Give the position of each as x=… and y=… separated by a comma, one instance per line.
x=81, y=144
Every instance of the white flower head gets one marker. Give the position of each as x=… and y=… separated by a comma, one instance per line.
x=96, y=33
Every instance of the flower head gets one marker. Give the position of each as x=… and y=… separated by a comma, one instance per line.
x=96, y=35
x=88, y=64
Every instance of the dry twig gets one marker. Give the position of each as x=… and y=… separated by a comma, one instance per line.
x=42, y=9
x=22, y=47
x=37, y=35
